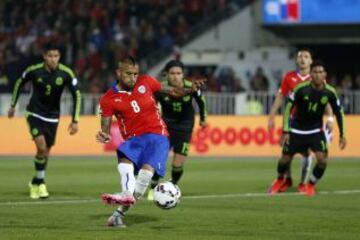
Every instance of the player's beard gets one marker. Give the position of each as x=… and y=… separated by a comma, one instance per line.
x=125, y=87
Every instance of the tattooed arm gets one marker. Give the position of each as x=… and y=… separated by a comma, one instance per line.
x=104, y=136
x=178, y=91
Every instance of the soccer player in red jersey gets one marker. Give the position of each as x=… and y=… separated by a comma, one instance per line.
x=146, y=145
x=290, y=81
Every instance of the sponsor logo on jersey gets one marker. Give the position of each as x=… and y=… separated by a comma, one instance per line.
x=306, y=97
x=117, y=100
x=39, y=80
x=142, y=89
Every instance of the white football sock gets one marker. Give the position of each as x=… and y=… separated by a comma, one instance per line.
x=142, y=182
x=305, y=167
x=126, y=171
x=123, y=209
x=313, y=179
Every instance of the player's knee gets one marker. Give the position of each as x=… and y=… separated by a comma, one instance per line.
x=285, y=159
x=42, y=151
x=178, y=163
x=148, y=168
x=322, y=160
x=179, y=160
x=142, y=182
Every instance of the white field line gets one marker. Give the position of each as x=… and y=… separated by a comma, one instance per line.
x=234, y=195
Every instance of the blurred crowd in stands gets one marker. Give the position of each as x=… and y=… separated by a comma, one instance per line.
x=225, y=80
x=95, y=34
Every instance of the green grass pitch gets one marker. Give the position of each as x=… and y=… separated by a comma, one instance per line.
x=222, y=199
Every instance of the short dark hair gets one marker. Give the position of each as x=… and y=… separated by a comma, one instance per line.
x=51, y=47
x=173, y=63
x=128, y=60
x=317, y=63
x=305, y=49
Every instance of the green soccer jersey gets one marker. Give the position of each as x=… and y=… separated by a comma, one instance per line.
x=309, y=106
x=47, y=87
x=179, y=112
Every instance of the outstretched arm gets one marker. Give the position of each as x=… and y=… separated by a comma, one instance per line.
x=180, y=92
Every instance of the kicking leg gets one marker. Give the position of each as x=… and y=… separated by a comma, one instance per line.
x=137, y=189
x=127, y=181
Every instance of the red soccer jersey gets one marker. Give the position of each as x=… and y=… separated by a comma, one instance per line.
x=290, y=81
x=136, y=111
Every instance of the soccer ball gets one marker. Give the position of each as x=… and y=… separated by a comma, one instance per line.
x=166, y=195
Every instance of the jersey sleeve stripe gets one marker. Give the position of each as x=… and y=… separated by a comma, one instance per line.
x=205, y=113
x=287, y=111
x=34, y=67
x=301, y=85
x=64, y=68
x=331, y=89
x=77, y=106
x=16, y=92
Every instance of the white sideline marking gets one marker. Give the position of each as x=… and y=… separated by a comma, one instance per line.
x=243, y=195
x=235, y=195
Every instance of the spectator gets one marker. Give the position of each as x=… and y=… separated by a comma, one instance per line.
x=357, y=82
x=345, y=86
x=259, y=81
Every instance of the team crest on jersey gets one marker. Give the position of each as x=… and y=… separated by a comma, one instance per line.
x=293, y=79
x=34, y=131
x=59, y=81
x=324, y=100
x=186, y=98
x=306, y=98
x=142, y=89
x=39, y=80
